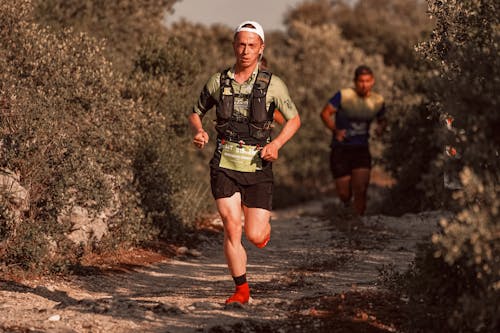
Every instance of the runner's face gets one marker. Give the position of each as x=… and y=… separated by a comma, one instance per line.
x=364, y=84
x=247, y=48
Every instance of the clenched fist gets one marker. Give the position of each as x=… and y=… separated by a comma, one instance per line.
x=200, y=138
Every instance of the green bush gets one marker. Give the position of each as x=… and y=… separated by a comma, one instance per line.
x=471, y=240
x=390, y=28
x=120, y=22
x=171, y=192
x=158, y=74
x=93, y=124
x=66, y=131
x=462, y=96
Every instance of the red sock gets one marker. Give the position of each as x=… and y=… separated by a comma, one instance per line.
x=264, y=243
x=242, y=294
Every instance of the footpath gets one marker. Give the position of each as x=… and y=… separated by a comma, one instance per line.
x=321, y=272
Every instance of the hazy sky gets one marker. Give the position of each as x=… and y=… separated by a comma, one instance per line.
x=269, y=13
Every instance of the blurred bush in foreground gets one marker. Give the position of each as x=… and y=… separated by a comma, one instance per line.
x=461, y=273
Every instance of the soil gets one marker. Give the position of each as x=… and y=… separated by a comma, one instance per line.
x=319, y=273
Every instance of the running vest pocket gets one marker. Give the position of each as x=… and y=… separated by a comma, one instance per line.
x=241, y=158
x=222, y=127
x=260, y=131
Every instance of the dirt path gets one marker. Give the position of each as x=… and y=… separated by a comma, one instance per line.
x=311, y=259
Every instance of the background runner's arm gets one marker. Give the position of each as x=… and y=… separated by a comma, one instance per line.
x=270, y=151
x=327, y=116
x=328, y=113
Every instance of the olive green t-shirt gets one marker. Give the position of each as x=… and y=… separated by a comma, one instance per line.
x=277, y=92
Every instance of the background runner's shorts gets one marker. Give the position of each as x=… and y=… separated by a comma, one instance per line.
x=259, y=195
x=343, y=159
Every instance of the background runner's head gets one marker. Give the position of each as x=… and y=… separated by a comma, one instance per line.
x=363, y=80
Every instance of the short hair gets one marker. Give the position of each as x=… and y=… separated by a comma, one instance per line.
x=362, y=70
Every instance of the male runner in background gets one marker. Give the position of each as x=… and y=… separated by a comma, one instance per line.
x=348, y=114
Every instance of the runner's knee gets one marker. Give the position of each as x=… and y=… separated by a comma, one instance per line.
x=344, y=194
x=232, y=227
x=257, y=236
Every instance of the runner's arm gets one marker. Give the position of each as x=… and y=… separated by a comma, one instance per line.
x=205, y=102
x=200, y=137
x=270, y=151
x=327, y=116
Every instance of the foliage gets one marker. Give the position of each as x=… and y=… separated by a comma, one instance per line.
x=66, y=131
x=462, y=96
x=390, y=28
x=472, y=240
x=171, y=193
x=159, y=71
x=414, y=147
x=122, y=23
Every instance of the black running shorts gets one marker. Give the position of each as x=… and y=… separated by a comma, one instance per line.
x=343, y=159
x=254, y=195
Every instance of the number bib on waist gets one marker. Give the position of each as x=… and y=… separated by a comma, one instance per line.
x=242, y=158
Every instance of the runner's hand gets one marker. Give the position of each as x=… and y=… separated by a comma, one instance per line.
x=269, y=152
x=200, y=139
x=379, y=130
x=340, y=134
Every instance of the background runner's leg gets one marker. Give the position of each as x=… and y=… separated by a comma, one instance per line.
x=257, y=226
x=230, y=212
x=360, y=180
x=343, y=188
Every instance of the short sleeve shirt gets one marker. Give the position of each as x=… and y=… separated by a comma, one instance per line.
x=355, y=114
x=277, y=93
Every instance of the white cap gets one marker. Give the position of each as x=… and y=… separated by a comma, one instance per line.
x=256, y=30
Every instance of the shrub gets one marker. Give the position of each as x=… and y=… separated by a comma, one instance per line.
x=122, y=23
x=66, y=131
x=463, y=95
x=172, y=193
x=158, y=72
x=390, y=28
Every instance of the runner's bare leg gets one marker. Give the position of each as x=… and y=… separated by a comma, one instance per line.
x=257, y=226
x=360, y=181
x=343, y=188
x=230, y=212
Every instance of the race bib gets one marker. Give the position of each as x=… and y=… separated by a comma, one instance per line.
x=240, y=158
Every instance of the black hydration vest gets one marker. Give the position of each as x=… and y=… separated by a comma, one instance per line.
x=254, y=129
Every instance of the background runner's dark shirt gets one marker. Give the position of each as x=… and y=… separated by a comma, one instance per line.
x=355, y=114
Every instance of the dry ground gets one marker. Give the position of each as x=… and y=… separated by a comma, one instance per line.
x=319, y=273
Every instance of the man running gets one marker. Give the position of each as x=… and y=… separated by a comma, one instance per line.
x=241, y=169
x=348, y=114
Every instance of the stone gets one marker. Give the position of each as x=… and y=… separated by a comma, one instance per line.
x=55, y=318
x=12, y=190
x=85, y=227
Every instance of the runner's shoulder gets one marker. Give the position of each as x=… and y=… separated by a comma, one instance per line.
x=377, y=97
x=277, y=86
x=213, y=83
